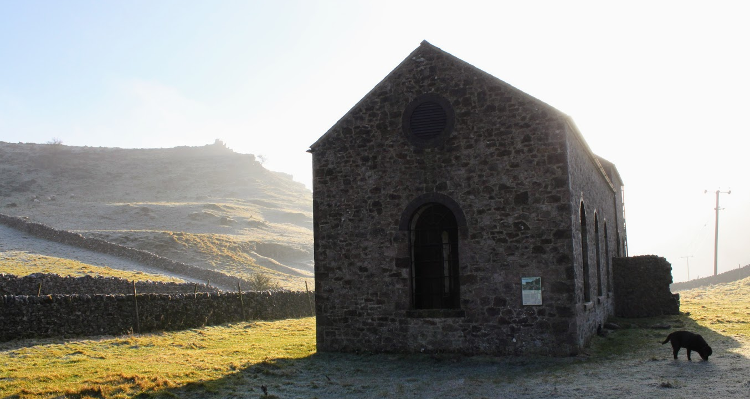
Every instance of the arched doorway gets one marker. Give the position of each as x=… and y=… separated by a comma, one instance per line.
x=434, y=258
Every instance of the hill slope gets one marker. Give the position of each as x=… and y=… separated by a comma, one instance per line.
x=726, y=277
x=205, y=206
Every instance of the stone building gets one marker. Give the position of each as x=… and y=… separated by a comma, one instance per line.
x=456, y=213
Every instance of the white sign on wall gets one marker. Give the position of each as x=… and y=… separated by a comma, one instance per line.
x=531, y=290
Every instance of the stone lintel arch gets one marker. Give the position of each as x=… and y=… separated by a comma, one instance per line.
x=437, y=198
x=435, y=225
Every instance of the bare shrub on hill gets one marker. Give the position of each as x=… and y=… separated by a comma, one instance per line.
x=262, y=282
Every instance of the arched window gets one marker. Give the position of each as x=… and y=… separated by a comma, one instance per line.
x=607, y=259
x=599, y=274
x=585, y=256
x=434, y=258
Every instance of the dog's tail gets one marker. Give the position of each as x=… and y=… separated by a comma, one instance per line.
x=669, y=337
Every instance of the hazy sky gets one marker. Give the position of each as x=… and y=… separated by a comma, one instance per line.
x=659, y=88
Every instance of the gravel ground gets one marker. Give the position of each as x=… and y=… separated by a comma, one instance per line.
x=649, y=373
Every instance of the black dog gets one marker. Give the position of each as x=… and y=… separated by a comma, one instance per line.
x=689, y=341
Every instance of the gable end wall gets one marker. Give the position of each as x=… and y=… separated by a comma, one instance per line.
x=505, y=165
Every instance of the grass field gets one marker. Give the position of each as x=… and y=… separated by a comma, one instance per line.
x=723, y=308
x=240, y=360
x=201, y=360
x=21, y=264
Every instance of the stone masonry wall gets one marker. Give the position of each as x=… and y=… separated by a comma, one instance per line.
x=46, y=284
x=505, y=166
x=642, y=287
x=77, y=315
x=599, y=198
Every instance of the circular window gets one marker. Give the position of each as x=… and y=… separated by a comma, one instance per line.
x=428, y=120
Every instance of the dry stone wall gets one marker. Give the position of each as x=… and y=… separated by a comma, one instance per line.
x=47, y=284
x=98, y=245
x=83, y=306
x=642, y=287
x=80, y=315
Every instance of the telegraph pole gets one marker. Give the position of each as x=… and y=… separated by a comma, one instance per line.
x=688, y=264
x=716, y=234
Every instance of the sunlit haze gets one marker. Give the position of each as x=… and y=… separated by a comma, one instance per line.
x=659, y=88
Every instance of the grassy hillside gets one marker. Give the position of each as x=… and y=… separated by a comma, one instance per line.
x=22, y=264
x=206, y=206
x=722, y=308
x=238, y=360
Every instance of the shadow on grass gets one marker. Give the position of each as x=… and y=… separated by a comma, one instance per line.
x=358, y=375
x=645, y=336
x=396, y=375
x=638, y=341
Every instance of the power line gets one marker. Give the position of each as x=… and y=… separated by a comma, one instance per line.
x=698, y=238
x=688, y=264
x=716, y=238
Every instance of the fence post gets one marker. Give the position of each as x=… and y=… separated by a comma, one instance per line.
x=137, y=318
x=39, y=292
x=242, y=303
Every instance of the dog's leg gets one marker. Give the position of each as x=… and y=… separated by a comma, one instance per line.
x=688, y=350
x=675, y=349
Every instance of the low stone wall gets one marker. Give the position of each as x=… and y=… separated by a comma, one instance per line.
x=105, y=247
x=77, y=315
x=47, y=284
x=641, y=285
x=726, y=277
